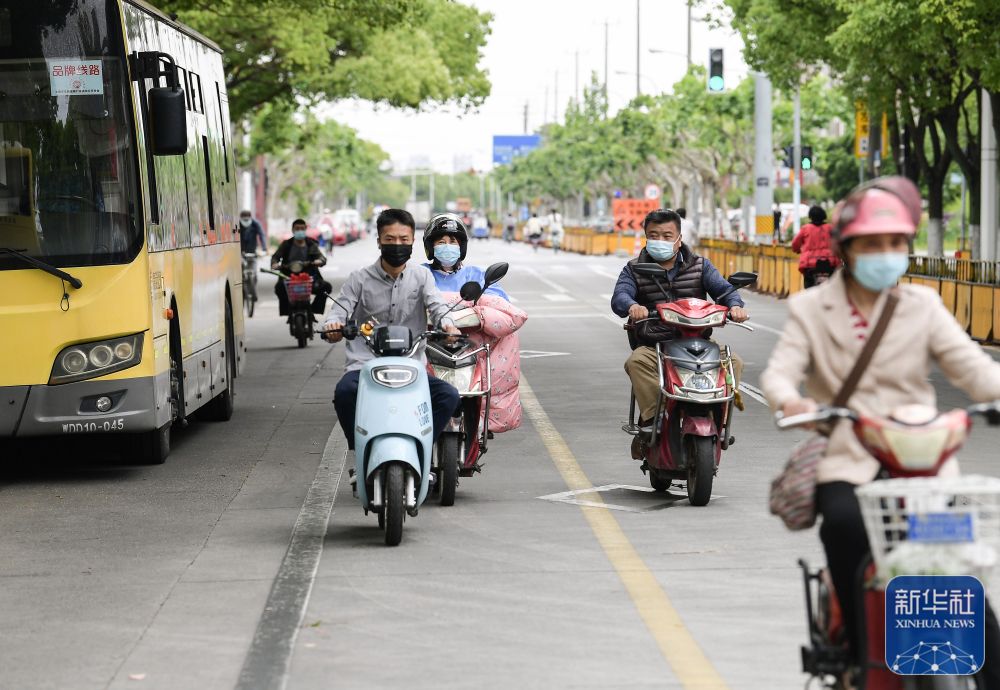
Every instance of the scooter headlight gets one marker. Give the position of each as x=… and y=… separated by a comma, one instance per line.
x=699, y=385
x=460, y=377
x=394, y=376
x=700, y=382
x=440, y=357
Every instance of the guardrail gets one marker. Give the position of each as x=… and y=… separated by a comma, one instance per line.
x=969, y=289
x=588, y=241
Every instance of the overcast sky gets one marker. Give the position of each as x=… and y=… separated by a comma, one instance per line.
x=532, y=42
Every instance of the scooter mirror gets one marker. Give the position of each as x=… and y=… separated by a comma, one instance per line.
x=742, y=279
x=471, y=291
x=495, y=272
x=650, y=270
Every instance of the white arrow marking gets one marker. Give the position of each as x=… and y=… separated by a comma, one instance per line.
x=530, y=354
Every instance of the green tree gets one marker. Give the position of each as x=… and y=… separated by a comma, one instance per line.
x=281, y=54
x=788, y=39
x=323, y=161
x=681, y=140
x=838, y=166
x=922, y=83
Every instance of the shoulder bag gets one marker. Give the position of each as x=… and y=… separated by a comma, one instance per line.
x=793, y=492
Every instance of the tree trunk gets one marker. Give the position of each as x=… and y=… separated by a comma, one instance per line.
x=874, y=146
x=676, y=191
x=968, y=158
x=708, y=208
x=936, y=173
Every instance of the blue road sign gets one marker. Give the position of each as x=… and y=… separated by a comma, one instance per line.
x=508, y=147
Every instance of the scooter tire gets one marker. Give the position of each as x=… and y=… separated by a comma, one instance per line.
x=394, y=509
x=448, y=449
x=299, y=328
x=700, y=452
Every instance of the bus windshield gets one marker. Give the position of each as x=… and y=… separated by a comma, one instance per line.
x=67, y=158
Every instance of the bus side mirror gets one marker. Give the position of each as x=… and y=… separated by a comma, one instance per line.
x=168, y=121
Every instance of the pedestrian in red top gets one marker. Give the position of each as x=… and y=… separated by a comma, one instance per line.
x=817, y=259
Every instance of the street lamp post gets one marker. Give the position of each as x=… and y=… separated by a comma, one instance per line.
x=689, y=35
x=638, y=77
x=638, y=50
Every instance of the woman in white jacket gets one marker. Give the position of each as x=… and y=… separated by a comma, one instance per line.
x=826, y=329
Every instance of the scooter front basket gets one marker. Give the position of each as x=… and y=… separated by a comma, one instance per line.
x=299, y=290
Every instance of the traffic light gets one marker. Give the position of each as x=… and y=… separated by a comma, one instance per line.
x=716, y=82
x=788, y=158
x=807, y=157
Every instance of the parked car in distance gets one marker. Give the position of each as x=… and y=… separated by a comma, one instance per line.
x=348, y=225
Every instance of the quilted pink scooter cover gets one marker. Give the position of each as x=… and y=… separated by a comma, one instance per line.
x=500, y=321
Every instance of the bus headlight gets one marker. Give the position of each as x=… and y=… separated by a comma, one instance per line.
x=74, y=361
x=101, y=356
x=89, y=360
x=123, y=350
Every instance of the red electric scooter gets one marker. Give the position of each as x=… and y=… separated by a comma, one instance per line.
x=694, y=412
x=914, y=441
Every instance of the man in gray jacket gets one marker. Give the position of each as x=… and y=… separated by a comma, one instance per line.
x=390, y=293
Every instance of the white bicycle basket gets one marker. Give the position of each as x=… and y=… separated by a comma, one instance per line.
x=934, y=526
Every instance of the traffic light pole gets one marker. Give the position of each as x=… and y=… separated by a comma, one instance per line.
x=797, y=160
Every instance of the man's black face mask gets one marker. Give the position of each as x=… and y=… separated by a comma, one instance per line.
x=396, y=254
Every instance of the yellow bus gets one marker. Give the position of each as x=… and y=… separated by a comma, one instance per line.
x=119, y=247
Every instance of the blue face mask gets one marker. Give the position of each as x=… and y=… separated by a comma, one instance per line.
x=299, y=234
x=447, y=254
x=878, y=272
x=661, y=250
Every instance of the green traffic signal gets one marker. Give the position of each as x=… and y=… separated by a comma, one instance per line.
x=807, y=158
x=716, y=82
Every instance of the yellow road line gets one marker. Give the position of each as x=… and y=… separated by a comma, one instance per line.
x=688, y=661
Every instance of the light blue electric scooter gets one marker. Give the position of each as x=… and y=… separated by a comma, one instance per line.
x=393, y=429
x=394, y=424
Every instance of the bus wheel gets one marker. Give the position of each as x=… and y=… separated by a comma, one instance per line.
x=153, y=447
x=220, y=408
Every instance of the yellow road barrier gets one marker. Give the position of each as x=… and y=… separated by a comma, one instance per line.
x=969, y=289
